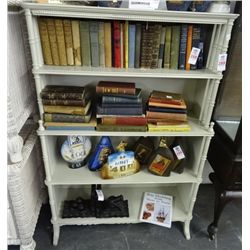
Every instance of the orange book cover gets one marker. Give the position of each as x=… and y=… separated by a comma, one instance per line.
x=189, y=45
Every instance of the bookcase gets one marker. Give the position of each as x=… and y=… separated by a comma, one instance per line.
x=199, y=88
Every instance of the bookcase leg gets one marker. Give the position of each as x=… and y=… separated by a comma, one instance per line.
x=30, y=246
x=56, y=230
x=186, y=229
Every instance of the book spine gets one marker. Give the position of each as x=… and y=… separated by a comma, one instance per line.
x=175, y=43
x=72, y=110
x=158, y=100
x=103, y=127
x=52, y=39
x=167, y=110
x=126, y=25
x=171, y=129
x=76, y=42
x=44, y=36
x=56, y=127
x=162, y=45
x=122, y=44
x=168, y=105
x=114, y=90
x=101, y=44
x=85, y=43
x=189, y=45
x=119, y=111
x=124, y=120
x=183, y=46
x=61, y=42
x=138, y=45
x=65, y=118
x=94, y=43
x=195, y=41
x=200, y=57
x=107, y=44
x=62, y=96
x=121, y=105
x=68, y=41
x=131, y=46
x=64, y=102
x=113, y=99
x=171, y=116
x=156, y=46
x=117, y=44
x=167, y=47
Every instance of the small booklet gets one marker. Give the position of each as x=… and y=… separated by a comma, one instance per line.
x=157, y=209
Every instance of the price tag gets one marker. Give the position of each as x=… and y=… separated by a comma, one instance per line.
x=179, y=153
x=100, y=195
x=194, y=56
x=222, y=60
x=143, y=4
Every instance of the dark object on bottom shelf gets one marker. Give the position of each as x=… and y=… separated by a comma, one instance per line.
x=114, y=206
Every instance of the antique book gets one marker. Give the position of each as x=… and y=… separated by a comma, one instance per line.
x=107, y=44
x=119, y=111
x=131, y=46
x=117, y=44
x=61, y=42
x=165, y=121
x=76, y=42
x=122, y=43
x=167, y=50
x=161, y=100
x=169, y=128
x=129, y=96
x=167, y=110
x=137, y=45
x=66, y=102
x=189, y=45
x=72, y=110
x=121, y=120
x=175, y=45
x=156, y=46
x=101, y=45
x=122, y=105
x=116, y=87
x=68, y=41
x=85, y=43
x=183, y=46
x=126, y=25
x=54, y=117
x=53, y=42
x=114, y=99
x=168, y=96
x=127, y=128
x=182, y=105
x=44, y=36
x=195, y=41
x=63, y=92
x=94, y=43
x=171, y=116
x=162, y=45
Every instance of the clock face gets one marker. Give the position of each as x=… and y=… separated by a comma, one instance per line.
x=76, y=148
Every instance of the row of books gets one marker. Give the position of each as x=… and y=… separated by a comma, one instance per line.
x=120, y=44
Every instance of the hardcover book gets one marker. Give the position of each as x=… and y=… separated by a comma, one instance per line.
x=162, y=45
x=117, y=44
x=171, y=116
x=121, y=105
x=68, y=41
x=101, y=44
x=137, y=45
x=114, y=99
x=107, y=44
x=129, y=96
x=182, y=105
x=61, y=42
x=195, y=41
x=163, y=95
x=66, y=102
x=167, y=47
x=167, y=110
x=76, y=42
x=116, y=87
x=127, y=128
x=85, y=43
x=119, y=111
x=183, y=46
x=169, y=128
x=131, y=46
x=189, y=45
x=175, y=43
x=44, y=36
x=126, y=25
x=127, y=120
x=122, y=43
x=156, y=46
x=94, y=43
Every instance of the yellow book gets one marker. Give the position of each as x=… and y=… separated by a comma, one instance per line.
x=107, y=44
x=101, y=44
x=44, y=37
x=76, y=42
x=169, y=128
x=125, y=45
x=61, y=42
x=71, y=124
x=53, y=41
x=68, y=41
x=72, y=110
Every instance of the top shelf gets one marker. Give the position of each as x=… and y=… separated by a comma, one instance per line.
x=76, y=11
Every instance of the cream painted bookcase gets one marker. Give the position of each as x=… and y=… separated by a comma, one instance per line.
x=199, y=88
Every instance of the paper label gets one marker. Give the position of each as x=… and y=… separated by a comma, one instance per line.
x=144, y=4
x=222, y=60
x=100, y=195
x=194, y=56
x=178, y=152
x=76, y=147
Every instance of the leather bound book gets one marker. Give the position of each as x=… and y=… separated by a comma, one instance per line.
x=101, y=45
x=170, y=116
x=76, y=42
x=119, y=111
x=61, y=42
x=175, y=46
x=162, y=45
x=183, y=46
x=116, y=87
x=137, y=45
x=167, y=50
x=127, y=120
x=68, y=41
x=44, y=37
x=65, y=102
x=182, y=105
x=117, y=44
x=85, y=43
x=189, y=45
x=53, y=42
x=156, y=46
x=107, y=44
x=94, y=43
x=122, y=43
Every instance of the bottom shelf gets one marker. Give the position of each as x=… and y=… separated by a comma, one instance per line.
x=134, y=195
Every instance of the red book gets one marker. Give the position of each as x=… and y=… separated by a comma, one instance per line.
x=117, y=44
x=104, y=87
x=128, y=120
x=168, y=101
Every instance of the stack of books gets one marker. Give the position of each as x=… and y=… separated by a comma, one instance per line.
x=120, y=107
x=67, y=107
x=167, y=112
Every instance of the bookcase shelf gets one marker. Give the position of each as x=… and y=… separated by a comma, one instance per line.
x=64, y=183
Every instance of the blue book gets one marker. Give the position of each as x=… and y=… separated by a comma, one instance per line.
x=114, y=99
x=131, y=45
x=119, y=111
x=167, y=110
x=183, y=46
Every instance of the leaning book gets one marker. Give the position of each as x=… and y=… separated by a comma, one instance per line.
x=157, y=209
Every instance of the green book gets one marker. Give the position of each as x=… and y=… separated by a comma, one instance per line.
x=167, y=47
x=94, y=43
x=85, y=43
x=175, y=45
x=127, y=128
x=101, y=45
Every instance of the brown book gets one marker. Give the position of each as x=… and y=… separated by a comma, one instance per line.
x=166, y=95
x=156, y=46
x=44, y=37
x=107, y=44
x=68, y=41
x=124, y=120
x=189, y=45
x=169, y=101
x=116, y=88
x=182, y=105
x=76, y=42
x=65, y=102
x=60, y=42
x=162, y=115
x=53, y=41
